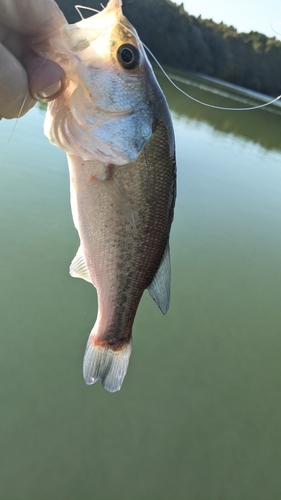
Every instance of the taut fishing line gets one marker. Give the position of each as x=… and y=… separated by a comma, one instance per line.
x=19, y=113
x=273, y=29
x=193, y=98
x=205, y=103
x=4, y=151
x=78, y=7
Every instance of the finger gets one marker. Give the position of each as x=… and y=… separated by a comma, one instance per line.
x=15, y=99
x=47, y=80
x=32, y=17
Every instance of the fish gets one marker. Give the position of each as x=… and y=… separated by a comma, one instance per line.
x=114, y=124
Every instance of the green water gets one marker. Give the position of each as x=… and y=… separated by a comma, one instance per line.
x=198, y=417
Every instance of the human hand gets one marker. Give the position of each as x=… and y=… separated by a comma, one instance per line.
x=24, y=76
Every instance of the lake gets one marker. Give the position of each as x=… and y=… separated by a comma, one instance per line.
x=198, y=416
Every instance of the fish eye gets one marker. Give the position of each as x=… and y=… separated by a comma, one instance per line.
x=128, y=56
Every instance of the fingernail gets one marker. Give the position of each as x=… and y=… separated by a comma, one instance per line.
x=49, y=91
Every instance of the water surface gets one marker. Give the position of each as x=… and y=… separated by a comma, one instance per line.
x=198, y=416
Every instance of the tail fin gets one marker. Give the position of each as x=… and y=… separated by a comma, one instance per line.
x=102, y=363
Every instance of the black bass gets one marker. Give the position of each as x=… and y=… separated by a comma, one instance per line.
x=114, y=125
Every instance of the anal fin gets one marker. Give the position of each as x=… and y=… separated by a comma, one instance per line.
x=78, y=267
x=160, y=287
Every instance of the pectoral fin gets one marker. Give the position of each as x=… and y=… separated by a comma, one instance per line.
x=78, y=267
x=118, y=193
x=160, y=286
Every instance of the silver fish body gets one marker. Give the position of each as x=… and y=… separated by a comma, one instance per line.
x=114, y=124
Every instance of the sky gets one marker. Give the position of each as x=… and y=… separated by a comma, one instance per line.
x=245, y=15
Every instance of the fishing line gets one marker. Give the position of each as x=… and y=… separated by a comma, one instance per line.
x=193, y=98
x=19, y=113
x=273, y=29
x=78, y=7
x=205, y=103
x=2, y=157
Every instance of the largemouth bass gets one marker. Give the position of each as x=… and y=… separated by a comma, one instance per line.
x=113, y=123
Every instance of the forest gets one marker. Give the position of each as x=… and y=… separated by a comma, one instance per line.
x=179, y=40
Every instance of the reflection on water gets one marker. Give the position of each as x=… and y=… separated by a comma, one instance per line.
x=261, y=127
x=198, y=416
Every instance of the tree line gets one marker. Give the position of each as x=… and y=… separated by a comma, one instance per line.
x=190, y=43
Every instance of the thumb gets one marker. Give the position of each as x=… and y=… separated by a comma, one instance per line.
x=14, y=96
x=35, y=18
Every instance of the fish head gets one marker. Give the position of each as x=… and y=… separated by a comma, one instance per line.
x=109, y=110
x=106, y=50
